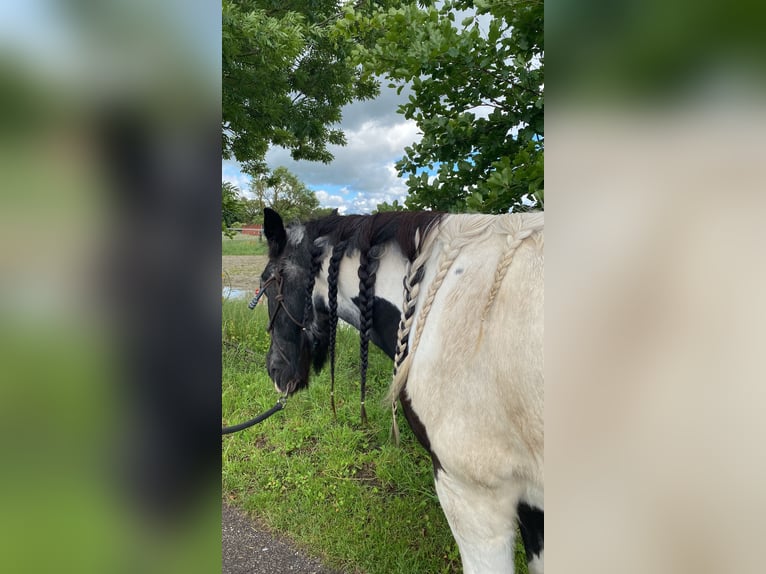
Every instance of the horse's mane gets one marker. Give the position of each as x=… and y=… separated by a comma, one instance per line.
x=368, y=235
x=362, y=232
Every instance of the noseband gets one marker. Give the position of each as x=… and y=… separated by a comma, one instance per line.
x=279, y=299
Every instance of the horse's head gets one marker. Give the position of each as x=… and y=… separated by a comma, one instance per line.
x=298, y=326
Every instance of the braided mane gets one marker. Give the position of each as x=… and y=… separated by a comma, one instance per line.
x=453, y=235
x=364, y=231
x=368, y=235
x=332, y=294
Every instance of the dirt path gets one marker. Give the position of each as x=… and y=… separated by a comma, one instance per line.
x=250, y=549
x=243, y=271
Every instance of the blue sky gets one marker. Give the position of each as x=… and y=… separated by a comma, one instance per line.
x=362, y=175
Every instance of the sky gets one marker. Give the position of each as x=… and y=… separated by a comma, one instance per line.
x=362, y=175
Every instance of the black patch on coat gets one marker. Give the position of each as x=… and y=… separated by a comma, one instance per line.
x=418, y=429
x=532, y=526
x=320, y=336
x=385, y=323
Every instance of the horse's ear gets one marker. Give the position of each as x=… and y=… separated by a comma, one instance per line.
x=274, y=230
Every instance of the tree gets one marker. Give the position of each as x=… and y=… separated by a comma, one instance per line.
x=286, y=76
x=282, y=191
x=385, y=206
x=232, y=206
x=477, y=96
x=253, y=211
x=323, y=212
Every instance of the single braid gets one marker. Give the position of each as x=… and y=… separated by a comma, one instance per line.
x=333, y=270
x=447, y=259
x=411, y=284
x=317, y=256
x=411, y=290
x=369, y=261
x=512, y=244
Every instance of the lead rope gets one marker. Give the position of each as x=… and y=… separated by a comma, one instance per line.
x=256, y=420
x=282, y=401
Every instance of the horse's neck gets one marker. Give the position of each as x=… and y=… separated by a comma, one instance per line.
x=389, y=293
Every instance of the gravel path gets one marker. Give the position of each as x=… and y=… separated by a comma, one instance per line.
x=250, y=549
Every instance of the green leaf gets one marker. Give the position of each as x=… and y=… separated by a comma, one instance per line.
x=453, y=71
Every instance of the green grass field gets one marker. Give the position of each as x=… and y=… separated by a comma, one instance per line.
x=341, y=491
x=243, y=245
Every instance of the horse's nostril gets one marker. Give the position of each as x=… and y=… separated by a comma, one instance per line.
x=275, y=372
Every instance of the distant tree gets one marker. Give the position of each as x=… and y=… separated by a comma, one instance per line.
x=285, y=193
x=323, y=212
x=232, y=204
x=477, y=97
x=385, y=206
x=286, y=76
x=253, y=211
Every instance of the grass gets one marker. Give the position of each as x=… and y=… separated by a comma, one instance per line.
x=243, y=245
x=344, y=492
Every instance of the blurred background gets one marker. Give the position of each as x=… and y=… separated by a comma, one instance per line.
x=109, y=286
x=655, y=282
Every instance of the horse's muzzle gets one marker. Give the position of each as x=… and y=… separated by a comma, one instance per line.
x=290, y=387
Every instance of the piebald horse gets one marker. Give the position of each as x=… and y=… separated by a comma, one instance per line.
x=457, y=302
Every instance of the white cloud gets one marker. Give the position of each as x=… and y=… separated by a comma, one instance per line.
x=230, y=173
x=335, y=201
x=362, y=175
x=365, y=165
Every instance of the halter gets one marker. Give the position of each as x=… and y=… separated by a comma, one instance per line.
x=279, y=299
x=276, y=278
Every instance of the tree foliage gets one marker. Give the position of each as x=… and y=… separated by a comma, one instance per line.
x=286, y=76
x=385, y=206
x=232, y=204
x=476, y=73
x=282, y=191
